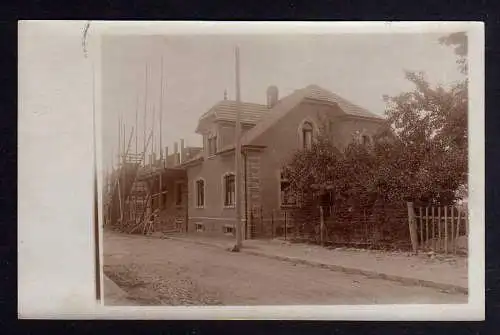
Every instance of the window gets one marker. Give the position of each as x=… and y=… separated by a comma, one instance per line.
x=287, y=196
x=229, y=190
x=199, y=227
x=365, y=140
x=228, y=229
x=178, y=194
x=212, y=145
x=307, y=132
x=200, y=193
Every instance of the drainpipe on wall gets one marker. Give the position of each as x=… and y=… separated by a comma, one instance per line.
x=246, y=192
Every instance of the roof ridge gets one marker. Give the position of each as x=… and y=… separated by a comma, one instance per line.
x=347, y=104
x=293, y=99
x=242, y=102
x=274, y=115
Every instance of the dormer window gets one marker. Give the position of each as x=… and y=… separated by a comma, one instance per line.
x=212, y=145
x=307, y=135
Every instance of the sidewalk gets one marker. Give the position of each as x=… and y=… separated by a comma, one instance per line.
x=446, y=273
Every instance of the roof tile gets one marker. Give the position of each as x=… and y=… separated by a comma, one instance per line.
x=265, y=118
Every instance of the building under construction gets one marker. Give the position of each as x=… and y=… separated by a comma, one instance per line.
x=147, y=195
x=144, y=193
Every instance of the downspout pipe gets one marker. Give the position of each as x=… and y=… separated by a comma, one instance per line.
x=246, y=192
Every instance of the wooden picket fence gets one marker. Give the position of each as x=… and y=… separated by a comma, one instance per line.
x=443, y=229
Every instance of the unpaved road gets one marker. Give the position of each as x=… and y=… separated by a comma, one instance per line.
x=166, y=272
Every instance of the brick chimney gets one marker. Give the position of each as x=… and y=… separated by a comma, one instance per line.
x=272, y=96
x=183, y=152
x=166, y=156
x=176, y=153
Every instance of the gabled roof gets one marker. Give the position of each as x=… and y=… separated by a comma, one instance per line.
x=265, y=118
x=225, y=110
x=317, y=93
x=286, y=104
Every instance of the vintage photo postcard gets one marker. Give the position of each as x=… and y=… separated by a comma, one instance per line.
x=288, y=170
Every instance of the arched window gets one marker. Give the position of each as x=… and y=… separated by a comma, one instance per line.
x=307, y=135
x=200, y=193
x=229, y=190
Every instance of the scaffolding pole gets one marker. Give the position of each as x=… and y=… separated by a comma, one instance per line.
x=160, y=201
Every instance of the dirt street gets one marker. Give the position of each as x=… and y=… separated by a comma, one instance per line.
x=166, y=272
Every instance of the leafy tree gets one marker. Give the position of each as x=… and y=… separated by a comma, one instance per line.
x=431, y=128
x=459, y=42
x=421, y=155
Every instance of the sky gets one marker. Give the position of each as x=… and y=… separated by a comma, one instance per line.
x=198, y=69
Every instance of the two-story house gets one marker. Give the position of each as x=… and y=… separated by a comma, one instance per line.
x=270, y=134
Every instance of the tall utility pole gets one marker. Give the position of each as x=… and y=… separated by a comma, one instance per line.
x=160, y=201
x=136, y=124
x=161, y=106
x=119, y=168
x=119, y=139
x=238, y=153
x=145, y=112
x=153, y=138
x=123, y=139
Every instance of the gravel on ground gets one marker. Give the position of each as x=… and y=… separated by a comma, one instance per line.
x=167, y=272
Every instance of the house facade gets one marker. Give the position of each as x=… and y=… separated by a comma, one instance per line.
x=271, y=133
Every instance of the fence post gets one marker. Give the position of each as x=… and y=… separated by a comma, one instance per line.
x=421, y=223
x=433, y=230
x=439, y=227
x=466, y=218
x=445, y=229
x=252, y=222
x=453, y=241
x=366, y=225
x=285, y=225
x=262, y=230
x=272, y=224
x=321, y=225
x=412, y=227
x=427, y=226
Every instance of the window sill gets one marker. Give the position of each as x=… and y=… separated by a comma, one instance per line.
x=229, y=206
x=288, y=206
x=200, y=207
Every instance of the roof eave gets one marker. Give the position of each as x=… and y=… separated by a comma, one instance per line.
x=192, y=162
x=348, y=115
x=233, y=122
x=247, y=147
x=375, y=118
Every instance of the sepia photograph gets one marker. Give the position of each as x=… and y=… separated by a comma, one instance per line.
x=284, y=169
